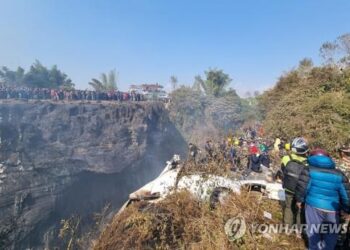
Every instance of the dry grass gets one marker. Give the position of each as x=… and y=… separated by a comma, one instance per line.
x=182, y=222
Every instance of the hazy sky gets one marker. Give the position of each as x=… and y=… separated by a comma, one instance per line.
x=150, y=40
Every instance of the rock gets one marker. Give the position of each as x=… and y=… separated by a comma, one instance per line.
x=60, y=159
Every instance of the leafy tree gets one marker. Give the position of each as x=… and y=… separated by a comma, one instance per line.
x=40, y=76
x=306, y=63
x=10, y=77
x=305, y=66
x=173, y=81
x=197, y=85
x=337, y=52
x=215, y=82
x=199, y=116
x=344, y=47
x=248, y=94
x=327, y=52
x=225, y=112
x=187, y=107
x=37, y=76
x=108, y=82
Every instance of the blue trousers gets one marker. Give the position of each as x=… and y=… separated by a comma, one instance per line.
x=317, y=239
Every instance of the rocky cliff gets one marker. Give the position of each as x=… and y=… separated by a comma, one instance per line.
x=60, y=159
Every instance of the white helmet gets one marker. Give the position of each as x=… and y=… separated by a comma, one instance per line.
x=300, y=146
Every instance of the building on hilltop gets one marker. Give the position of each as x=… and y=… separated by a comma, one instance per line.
x=150, y=91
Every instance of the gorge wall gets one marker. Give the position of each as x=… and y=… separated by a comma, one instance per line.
x=63, y=159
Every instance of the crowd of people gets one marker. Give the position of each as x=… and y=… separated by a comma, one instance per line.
x=317, y=189
x=244, y=153
x=25, y=93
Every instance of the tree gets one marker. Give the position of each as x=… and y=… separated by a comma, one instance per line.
x=225, y=112
x=248, y=94
x=327, y=52
x=10, y=77
x=256, y=93
x=173, y=81
x=96, y=84
x=215, y=83
x=37, y=76
x=197, y=85
x=338, y=51
x=306, y=63
x=305, y=66
x=344, y=47
x=40, y=76
x=107, y=82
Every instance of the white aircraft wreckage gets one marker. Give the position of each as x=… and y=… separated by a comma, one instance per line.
x=205, y=187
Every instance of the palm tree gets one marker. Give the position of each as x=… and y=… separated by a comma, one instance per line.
x=96, y=84
x=173, y=81
x=107, y=82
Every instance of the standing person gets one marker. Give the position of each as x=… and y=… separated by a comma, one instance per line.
x=233, y=158
x=222, y=147
x=241, y=140
x=209, y=149
x=276, y=145
x=264, y=158
x=253, y=134
x=193, y=152
x=230, y=140
x=261, y=132
x=291, y=168
x=325, y=191
x=254, y=159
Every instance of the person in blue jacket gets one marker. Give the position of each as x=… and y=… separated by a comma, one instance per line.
x=325, y=191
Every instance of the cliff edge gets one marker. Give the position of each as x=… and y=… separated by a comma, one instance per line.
x=59, y=159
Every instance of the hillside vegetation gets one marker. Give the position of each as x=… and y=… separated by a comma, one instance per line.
x=314, y=104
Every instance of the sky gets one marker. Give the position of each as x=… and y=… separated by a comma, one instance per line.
x=147, y=41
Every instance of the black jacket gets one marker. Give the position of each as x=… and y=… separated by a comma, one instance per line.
x=291, y=174
x=265, y=160
x=254, y=162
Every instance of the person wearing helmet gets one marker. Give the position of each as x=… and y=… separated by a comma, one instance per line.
x=291, y=167
x=325, y=191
